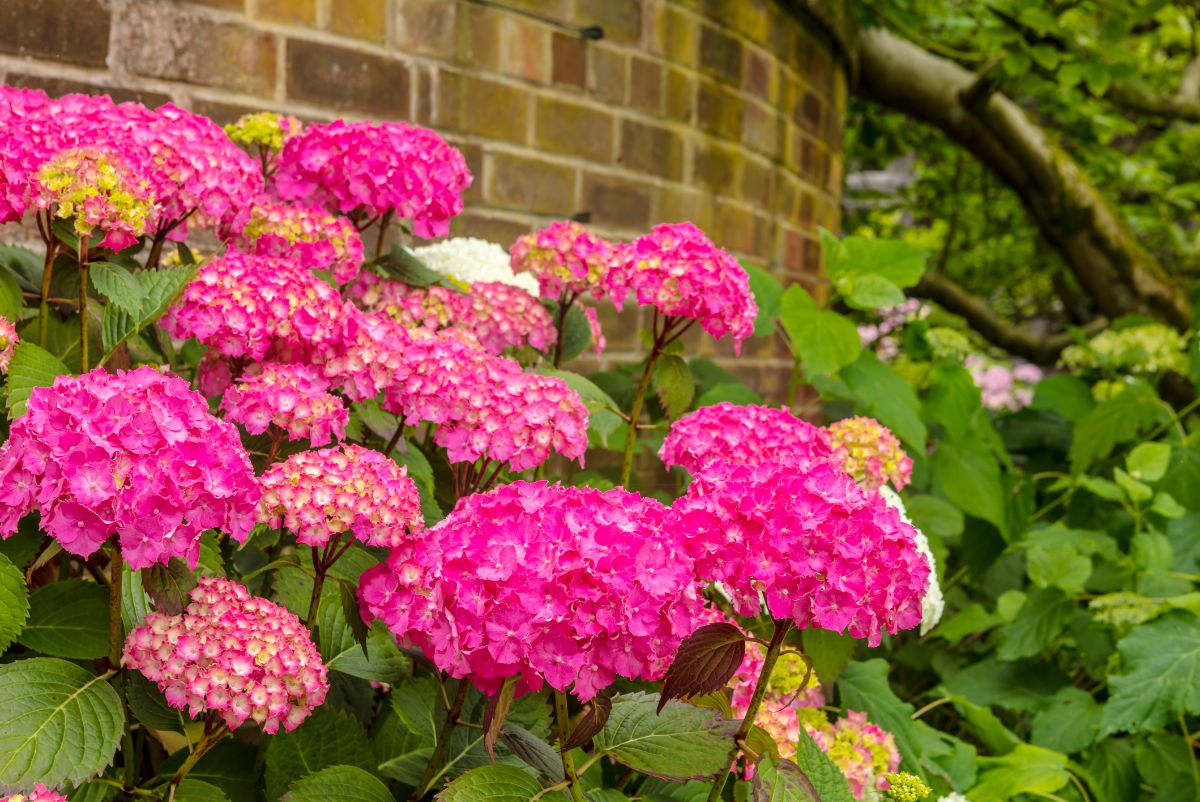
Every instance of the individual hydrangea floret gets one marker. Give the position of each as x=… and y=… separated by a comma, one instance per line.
x=320, y=495
x=680, y=272
x=136, y=454
x=294, y=398
x=97, y=191
x=566, y=258
x=8, y=343
x=819, y=549
x=1148, y=349
x=263, y=129
x=933, y=604
x=40, y=793
x=870, y=452
x=571, y=586
x=255, y=306
x=468, y=260
x=312, y=236
x=369, y=169
x=745, y=434
x=232, y=654
x=509, y=317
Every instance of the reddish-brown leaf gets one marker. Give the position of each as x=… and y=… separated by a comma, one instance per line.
x=704, y=662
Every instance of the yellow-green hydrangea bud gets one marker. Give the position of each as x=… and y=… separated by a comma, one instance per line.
x=905, y=787
x=1149, y=349
x=264, y=129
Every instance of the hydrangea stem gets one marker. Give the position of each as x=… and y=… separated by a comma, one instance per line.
x=565, y=302
x=214, y=731
x=564, y=732
x=116, y=640
x=635, y=412
x=323, y=560
x=774, y=648
x=44, y=307
x=439, y=750
x=83, y=305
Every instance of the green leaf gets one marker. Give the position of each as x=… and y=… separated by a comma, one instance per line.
x=1162, y=677
x=830, y=653
x=328, y=737
x=970, y=620
x=1022, y=685
x=768, y=293
x=879, y=391
x=30, y=367
x=968, y=475
x=1111, y=773
x=14, y=603
x=533, y=750
x=824, y=341
x=150, y=707
x=135, y=604
x=1046, y=613
x=953, y=400
x=864, y=686
x=733, y=392
x=869, y=292
x=1148, y=462
x=674, y=385
x=1059, y=567
x=383, y=661
x=193, y=790
x=1067, y=396
x=160, y=288
x=1115, y=421
x=934, y=516
x=68, y=619
x=12, y=302
x=1183, y=476
x=782, y=781
x=404, y=743
x=896, y=261
x=338, y=784
x=118, y=285
x=498, y=783
x=1069, y=724
x=405, y=266
x=577, y=331
x=59, y=724
x=1026, y=769
x=681, y=742
x=825, y=776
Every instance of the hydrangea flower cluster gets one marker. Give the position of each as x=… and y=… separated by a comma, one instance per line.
x=820, y=549
x=680, y=272
x=263, y=129
x=1149, y=349
x=374, y=168
x=870, y=452
x=96, y=191
x=865, y=752
x=319, y=495
x=1004, y=386
x=467, y=260
x=572, y=586
x=367, y=353
x=134, y=453
x=252, y=306
x=932, y=603
x=312, y=236
x=232, y=654
x=40, y=793
x=293, y=397
x=506, y=316
x=743, y=434
x=8, y=343
x=566, y=258
x=881, y=336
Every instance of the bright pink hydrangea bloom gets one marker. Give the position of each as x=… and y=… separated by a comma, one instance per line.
x=572, y=586
x=367, y=354
x=598, y=341
x=368, y=169
x=312, y=236
x=294, y=398
x=566, y=258
x=507, y=316
x=255, y=306
x=680, y=272
x=870, y=453
x=8, y=343
x=233, y=654
x=743, y=435
x=40, y=793
x=319, y=495
x=823, y=551
x=134, y=453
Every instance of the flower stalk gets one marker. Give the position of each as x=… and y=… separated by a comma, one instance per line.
x=214, y=731
x=439, y=749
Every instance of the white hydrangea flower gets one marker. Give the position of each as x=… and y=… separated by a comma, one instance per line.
x=954, y=797
x=469, y=260
x=932, y=603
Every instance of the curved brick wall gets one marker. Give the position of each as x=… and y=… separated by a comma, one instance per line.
x=725, y=112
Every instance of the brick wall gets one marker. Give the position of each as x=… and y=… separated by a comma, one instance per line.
x=725, y=112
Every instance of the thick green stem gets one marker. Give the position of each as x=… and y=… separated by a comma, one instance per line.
x=560, y=323
x=564, y=732
x=385, y=221
x=760, y=689
x=44, y=307
x=439, y=750
x=116, y=641
x=83, y=305
x=214, y=731
x=634, y=412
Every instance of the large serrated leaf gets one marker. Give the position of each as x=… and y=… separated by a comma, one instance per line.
x=704, y=662
x=14, y=602
x=673, y=384
x=823, y=340
x=169, y=585
x=382, y=662
x=683, y=742
x=160, y=289
x=193, y=790
x=338, y=784
x=135, y=604
x=326, y=738
x=783, y=781
x=498, y=783
x=150, y=707
x=1117, y=420
x=823, y=773
x=68, y=619
x=118, y=285
x=31, y=367
x=533, y=750
x=1160, y=683
x=59, y=724
x=864, y=686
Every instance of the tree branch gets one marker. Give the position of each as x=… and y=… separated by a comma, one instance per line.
x=1173, y=107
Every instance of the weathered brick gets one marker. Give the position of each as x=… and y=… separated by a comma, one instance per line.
x=478, y=223
x=753, y=18
x=681, y=37
x=76, y=31
x=525, y=49
x=473, y=153
x=808, y=111
x=570, y=60
x=166, y=41
x=347, y=79
x=565, y=127
x=758, y=182
x=608, y=74
x=621, y=19
x=362, y=19
x=535, y=185
x=288, y=12
x=719, y=110
x=617, y=328
x=479, y=36
x=677, y=205
x=57, y=87
x=721, y=55
x=617, y=201
x=480, y=106
x=646, y=85
x=230, y=5
x=759, y=75
x=422, y=112
x=426, y=26
x=681, y=95
x=761, y=128
x=651, y=149
x=735, y=227
x=221, y=112
x=714, y=165
x=805, y=213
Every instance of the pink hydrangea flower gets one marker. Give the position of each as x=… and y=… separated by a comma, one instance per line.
x=566, y=258
x=570, y=586
x=680, y=272
x=215, y=374
x=135, y=454
x=293, y=397
x=312, y=236
x=820, y=549
x=367, y=169
x=255, y=306
x=870, y=452
x=96, y=190
x=865, y=752
x=744, y=435
x=507, y=316
x=598, y=341
x=8, y=343
x=232, y=654
x=367, y=353
x=40, y=793
x=319, y=495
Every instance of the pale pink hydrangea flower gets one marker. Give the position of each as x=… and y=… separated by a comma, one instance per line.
x=135, y=454
x=507, y=316
x=8, y=343
x=864, y=752
x=312, y=236
x=821, y=550
x=566, y=258
x=40, y=793
x=1003, y=387
x=870, y=452
x=320, y=495
x=681, y=273
x=571, y=586
x=743, y=434
x=366, y=169
x=232, y=654
x=294, y=398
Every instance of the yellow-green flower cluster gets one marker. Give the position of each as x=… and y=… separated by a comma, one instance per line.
x=96, y=191
x=905, y=787
x=789, y=674
x=1149, y=349
x=264, y=129
x=948, y=343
